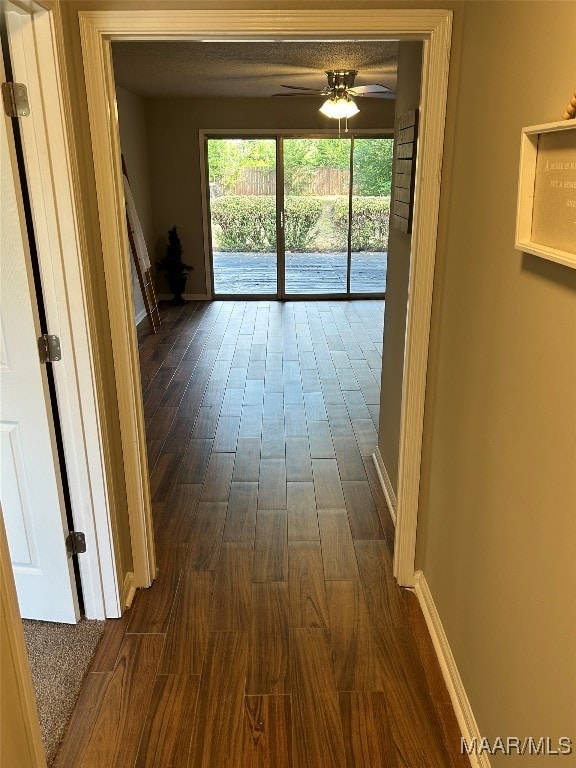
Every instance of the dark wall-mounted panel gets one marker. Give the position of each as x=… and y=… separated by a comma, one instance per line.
x=403, y=188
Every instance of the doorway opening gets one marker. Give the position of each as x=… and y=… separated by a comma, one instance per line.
x=97, y=32
x=294, y=216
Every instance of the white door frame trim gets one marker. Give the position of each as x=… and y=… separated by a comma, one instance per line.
x=98, y=29
x=47, y=150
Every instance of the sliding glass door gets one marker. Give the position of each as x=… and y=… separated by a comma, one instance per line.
x=369, y=214
x=299, y=216
x=316, y=186
x=243, y=215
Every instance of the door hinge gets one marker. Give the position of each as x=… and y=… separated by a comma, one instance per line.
x=49, y=348
x=15, y=98
x=76, y=543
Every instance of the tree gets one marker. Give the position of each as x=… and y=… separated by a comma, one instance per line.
x=303, y=156
x=333, y=153
x=227, y=158
x=260, y=153
x=224, y=163
x=372, y=162
x=373, y=166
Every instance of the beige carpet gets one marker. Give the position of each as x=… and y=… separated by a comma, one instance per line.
x=60, y=655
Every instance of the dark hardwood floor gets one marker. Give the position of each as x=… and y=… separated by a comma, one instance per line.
x=275, y=635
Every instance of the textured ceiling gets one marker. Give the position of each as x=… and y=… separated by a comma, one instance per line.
x=247, y=69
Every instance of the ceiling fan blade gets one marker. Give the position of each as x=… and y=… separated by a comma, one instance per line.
x=313, y=95
x=299, y=88
x=373, y=88
x=340, y=85
x=381, y=95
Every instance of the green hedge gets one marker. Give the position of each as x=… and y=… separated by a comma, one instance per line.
x=302, y=215
x=370, y=218
x=248, y=223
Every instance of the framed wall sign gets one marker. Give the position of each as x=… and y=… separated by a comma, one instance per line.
x=546, y=216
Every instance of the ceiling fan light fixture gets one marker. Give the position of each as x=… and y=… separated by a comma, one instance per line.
x=339, y=107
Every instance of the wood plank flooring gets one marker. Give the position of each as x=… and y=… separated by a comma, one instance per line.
x=274, y=635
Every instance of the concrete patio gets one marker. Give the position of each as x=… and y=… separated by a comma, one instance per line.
x=306, y=273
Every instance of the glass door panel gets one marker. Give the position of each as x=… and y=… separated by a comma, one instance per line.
x=242, y=178
x=316, y=188
x=372, y=178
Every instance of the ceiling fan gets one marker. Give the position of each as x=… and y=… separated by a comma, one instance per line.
x=340, y=93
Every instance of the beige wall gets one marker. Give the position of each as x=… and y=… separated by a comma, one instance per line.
x=173, y=140
x=133, y=142
x=497, y=532
x=398, y=272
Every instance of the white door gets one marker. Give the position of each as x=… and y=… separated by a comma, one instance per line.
x=30, y=482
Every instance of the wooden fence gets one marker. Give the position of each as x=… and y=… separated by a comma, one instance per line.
x=321, y=181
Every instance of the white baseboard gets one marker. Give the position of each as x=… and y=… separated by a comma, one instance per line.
x=128, y=590
x=386, y=483
x=462, y=708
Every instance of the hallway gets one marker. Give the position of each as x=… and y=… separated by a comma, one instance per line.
x=274, y=635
